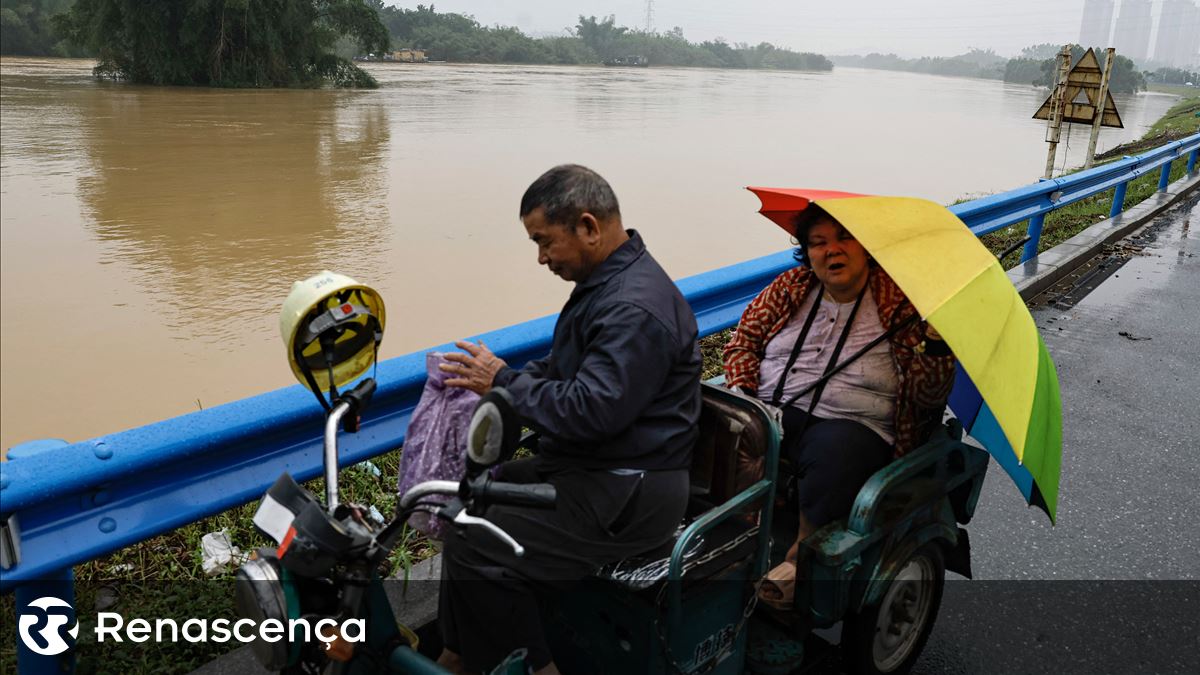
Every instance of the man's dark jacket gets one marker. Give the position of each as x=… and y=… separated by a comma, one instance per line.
x=620, y=388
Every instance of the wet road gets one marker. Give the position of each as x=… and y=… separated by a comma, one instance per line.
x=1114, y=586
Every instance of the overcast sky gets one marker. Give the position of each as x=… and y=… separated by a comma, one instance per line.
x=906, y=27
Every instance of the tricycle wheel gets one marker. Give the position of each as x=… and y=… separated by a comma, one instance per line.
x=887, y=637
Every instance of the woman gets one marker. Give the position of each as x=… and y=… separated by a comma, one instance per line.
x=886, y=402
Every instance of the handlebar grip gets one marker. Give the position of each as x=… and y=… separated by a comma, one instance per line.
x=524, y=494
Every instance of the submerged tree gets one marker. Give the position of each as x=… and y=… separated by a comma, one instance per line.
x=25, y=28
x=225, y=43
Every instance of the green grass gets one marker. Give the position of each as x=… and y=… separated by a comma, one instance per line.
x=1181, y=119
x=1177, y=89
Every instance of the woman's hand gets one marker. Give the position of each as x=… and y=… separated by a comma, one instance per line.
x=932, y=334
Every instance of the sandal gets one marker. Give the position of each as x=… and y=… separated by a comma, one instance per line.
x=780, y=583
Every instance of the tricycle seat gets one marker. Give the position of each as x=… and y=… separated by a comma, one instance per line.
x=729, y=457
x=705, y=556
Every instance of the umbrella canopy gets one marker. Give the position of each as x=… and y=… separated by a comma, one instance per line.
x=1006, y=390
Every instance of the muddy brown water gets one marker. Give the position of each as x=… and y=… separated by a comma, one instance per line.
x=149, y=235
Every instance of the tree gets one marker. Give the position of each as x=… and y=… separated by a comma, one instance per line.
x=25, y=28
x=602, y=35
x=225, y=43
x=1039, y=52
x=457, y=37
x=1125, y=77
x=1173, y=76
x=1024, y=71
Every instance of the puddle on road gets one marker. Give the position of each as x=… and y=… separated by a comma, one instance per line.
x=1116, y=286
x=1166, y=249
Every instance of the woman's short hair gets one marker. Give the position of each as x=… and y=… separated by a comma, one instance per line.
x=802, y=224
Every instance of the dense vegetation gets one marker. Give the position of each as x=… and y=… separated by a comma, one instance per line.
x=975, y=63
x=1125, y=78
x=455, y=37
x=26, y=28
x=226, y=43
x=1173, y=76
x=1034, y=65
x=296, y=42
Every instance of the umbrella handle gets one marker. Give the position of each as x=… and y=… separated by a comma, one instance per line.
x=1004, y=254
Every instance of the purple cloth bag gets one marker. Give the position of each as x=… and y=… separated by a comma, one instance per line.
x=436, y=444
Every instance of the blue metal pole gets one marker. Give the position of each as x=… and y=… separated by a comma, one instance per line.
x=1035, y=236
x=1191, y=166
x=1164, y=177
x=52, y=625
x=1118, y=204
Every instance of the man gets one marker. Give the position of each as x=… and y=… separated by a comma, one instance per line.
x=617, y=402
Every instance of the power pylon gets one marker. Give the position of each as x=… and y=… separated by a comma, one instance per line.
x=649, y=14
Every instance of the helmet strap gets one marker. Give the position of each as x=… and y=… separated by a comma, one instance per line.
x=298, y=349
x=327, y=341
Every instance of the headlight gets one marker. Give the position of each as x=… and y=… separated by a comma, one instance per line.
x=260, y=596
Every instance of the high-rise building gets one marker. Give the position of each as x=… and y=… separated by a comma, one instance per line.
x=1178, y=38
x=1132, y=36
x=1096, y=23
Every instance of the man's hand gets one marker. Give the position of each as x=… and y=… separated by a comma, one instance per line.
x=474, y=370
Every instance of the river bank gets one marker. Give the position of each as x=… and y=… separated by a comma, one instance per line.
x=1180, y=121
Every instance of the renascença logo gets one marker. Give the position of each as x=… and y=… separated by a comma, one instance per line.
x=109, y=625
x=51, y=633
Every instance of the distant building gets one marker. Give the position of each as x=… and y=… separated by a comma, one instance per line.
x=1096, y=25
x=409, y=55
x=1132, y=36
x=1178, y=34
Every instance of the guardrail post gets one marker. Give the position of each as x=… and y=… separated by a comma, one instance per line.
x=1164, y=177
x=1118, y=204
x=59, y=585
x=55, y=585
x=1035, y=236
x=1191, y=165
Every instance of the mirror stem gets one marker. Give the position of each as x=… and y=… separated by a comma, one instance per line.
x=332, y=421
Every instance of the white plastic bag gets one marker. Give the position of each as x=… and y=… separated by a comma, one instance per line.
x=217, y=552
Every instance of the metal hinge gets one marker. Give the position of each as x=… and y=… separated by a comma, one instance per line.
x=10, y=542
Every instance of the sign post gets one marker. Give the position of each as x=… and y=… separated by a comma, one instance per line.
x=1098, y=117
x=1064, y=104
x=1057, y=103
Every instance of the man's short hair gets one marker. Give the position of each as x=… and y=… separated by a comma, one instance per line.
x=568, y=191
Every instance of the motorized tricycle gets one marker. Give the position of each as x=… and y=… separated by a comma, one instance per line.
x=688, y=607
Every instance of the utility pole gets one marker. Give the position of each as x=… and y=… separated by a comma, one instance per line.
x=1101, y=100
x=649, y=14
x=1057, y=104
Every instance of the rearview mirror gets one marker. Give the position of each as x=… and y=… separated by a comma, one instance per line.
x=494, y=432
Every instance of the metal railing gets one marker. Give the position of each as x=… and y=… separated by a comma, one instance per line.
x=1033, y=202
x=62, y=504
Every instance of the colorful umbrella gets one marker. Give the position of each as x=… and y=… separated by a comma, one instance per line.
x=1006, y=390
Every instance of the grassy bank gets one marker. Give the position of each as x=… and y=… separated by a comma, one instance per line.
x=164, y=577
x=1176, y=89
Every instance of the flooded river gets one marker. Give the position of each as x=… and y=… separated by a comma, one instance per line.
x=149, y=235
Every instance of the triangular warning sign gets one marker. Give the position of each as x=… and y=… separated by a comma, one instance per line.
x=1084, y=78
x=1087, y=72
